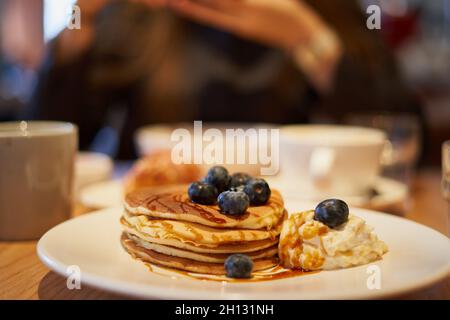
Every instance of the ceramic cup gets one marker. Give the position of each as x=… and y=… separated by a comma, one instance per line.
x=330, y=161
x=157, y=137
x=36, y=178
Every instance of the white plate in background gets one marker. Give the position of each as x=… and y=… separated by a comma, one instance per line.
x=92, y=167
x=102, y=195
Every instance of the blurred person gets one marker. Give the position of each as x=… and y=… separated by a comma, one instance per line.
x=21, y=50
x=21, y=36
x=165, y=61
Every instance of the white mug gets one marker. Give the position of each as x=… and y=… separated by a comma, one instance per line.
x=36, y=177
x=330, y=160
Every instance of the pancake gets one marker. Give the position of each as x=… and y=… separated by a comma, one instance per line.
x=195, y=234
x=202, y=257
x=176, y=205
x=236, y=247
x=158, y=169
x=184, y=264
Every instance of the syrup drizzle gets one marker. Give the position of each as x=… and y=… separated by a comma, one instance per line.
x=275, y=273
x=185, y=206
x=177, y=202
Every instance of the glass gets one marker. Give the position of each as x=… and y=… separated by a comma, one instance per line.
x=446, y=178
x=403, y=145
x=400, y=154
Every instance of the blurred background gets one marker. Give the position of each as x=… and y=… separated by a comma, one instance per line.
x=47, y=74
x=137, y=69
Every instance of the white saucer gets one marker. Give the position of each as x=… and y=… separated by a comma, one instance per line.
x=418, y=256
x=390, y=194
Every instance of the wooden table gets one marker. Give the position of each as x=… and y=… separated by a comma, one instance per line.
x=23, y=276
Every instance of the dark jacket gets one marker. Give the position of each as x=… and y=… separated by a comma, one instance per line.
x=128, y=79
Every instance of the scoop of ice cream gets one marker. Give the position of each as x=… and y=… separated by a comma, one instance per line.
x=310, y=245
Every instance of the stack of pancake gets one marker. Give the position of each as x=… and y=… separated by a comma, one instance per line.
x=164, y=227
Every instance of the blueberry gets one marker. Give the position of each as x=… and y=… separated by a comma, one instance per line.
x=233, y=202
x=202, y=193
x=258, y=191
x=239, y=266
x=239, y=179
x=238, y=188
x=218, y=176
x=331, y=212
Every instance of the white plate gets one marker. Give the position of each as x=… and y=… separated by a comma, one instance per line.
x=102, y=195
x=418, y=256
x=91, y=167
x=391, y=193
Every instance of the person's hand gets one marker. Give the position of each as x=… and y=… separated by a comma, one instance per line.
x=290, y=25
x=277, y=23
x=153, y=3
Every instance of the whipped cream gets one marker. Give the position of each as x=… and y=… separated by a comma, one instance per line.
x=310, y=245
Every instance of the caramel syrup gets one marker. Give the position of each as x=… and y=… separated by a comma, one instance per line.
x=275, y=273
x=184, y=204
x=177, y=202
